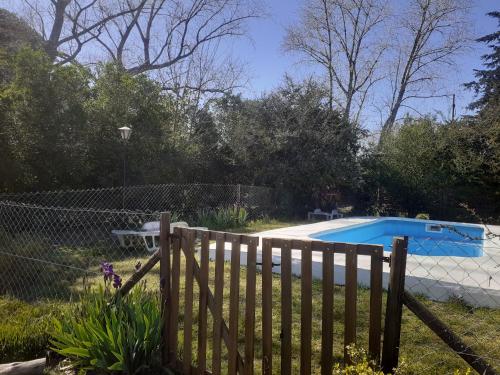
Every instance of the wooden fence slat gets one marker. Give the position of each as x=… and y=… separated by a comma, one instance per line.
x=165, y=283
x=202, y=316
x=394, y=308
x=327, y=313
x=250, y=306
x=351, y=289
x=376, y=270
x=218, y=294
x=286, y=308
x=188, y=303
x=234, y=303
x=306, y=310
x=267, y=329
x=174, y=302
x=211, y=307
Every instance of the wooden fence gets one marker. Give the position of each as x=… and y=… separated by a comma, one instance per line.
x=181, y=273
x=241, y=358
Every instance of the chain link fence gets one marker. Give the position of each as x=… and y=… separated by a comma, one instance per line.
x=185, y=200
x=463, y=281
x=52, y=243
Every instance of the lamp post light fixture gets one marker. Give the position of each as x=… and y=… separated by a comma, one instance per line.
x=125, y=133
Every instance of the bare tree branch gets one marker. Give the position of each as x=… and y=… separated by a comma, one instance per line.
x=176, y=37
x=342, y=36
x=433, y=32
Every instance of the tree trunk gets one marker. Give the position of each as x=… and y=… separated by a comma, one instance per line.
x=55, y=34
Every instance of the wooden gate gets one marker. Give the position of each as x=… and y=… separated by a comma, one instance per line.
x=190, y=251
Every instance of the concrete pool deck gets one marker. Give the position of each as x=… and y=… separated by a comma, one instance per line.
x=476, y=279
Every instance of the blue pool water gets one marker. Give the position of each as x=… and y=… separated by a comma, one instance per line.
x=434, y=238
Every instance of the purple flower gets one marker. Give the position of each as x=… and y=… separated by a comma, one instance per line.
x=107, y=270
x=117, y=281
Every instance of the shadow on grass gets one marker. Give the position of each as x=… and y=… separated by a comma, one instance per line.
x=33, y=267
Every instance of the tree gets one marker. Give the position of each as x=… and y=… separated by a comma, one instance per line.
x=141, y=36
x=422, y=165
x=120, y=99
x=290, y=139
x=343, y=37
x=409, y=172
x=487, y=84
x=68, y=26
x=202, y=77
x=15, y=33
x=432, y=32
x=43, y=123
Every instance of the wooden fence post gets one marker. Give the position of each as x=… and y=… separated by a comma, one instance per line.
x=394, y=309
x=165, y=283
x=267, y=306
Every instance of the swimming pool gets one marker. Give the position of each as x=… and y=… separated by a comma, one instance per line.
x=425, y=237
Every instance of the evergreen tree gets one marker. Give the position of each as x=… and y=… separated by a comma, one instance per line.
x=487, y=82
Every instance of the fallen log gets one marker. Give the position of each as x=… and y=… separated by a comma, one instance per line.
x=33, y=367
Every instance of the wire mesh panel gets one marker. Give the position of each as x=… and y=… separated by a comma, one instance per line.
x=52, y=252
x=462, y=278
x=184, y=200
x=52, y=243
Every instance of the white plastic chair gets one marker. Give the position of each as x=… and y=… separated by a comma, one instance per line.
x=148, y=235
x=335, y=214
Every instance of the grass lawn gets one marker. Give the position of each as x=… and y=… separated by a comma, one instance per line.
x=261, y=225
x=23, y=327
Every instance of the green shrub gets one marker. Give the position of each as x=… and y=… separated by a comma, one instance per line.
x=223, y=218
x=423, y=216
x=123, y=336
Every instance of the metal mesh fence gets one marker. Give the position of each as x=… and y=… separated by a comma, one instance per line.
x=50, y=252
x=463, y=283
x=52, y=243
x=184, y=200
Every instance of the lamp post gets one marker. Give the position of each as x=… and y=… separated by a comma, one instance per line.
x=125, y=133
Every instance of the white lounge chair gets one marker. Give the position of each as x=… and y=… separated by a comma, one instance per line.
x=335, y=214
x=148, y=235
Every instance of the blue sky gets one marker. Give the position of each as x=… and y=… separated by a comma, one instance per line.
x=268, y=63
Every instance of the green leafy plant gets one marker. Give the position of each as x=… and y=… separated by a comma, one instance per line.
x=362, y=365
x=223, y=218
x=423, y=216
x=123, y=336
